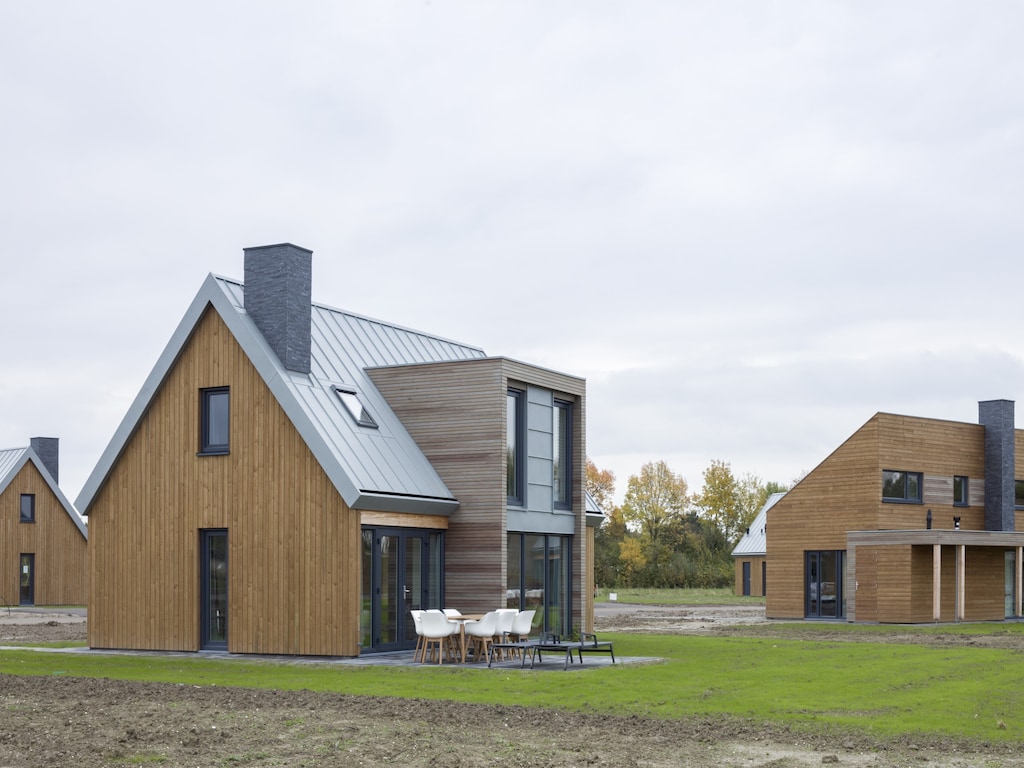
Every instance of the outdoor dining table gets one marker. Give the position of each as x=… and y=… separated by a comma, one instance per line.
x=461, y=620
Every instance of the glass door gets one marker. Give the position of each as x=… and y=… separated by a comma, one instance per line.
x=1010, y=584
x=27, y=581
x=214, y=590
x=401, y=573
x=824, y=584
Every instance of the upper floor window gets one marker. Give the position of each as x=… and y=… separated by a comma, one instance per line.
x=355, y=407
x=901, y=486
x=562, y=451
x=959, y=491
x=215, y=420
x=28, y=507
x=515, y=438
x=1018, y=500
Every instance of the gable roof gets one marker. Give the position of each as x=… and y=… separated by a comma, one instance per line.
x=372, y=469
x=755, y=540
x=12, y=460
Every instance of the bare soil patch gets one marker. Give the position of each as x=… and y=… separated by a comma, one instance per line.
x=59, y=721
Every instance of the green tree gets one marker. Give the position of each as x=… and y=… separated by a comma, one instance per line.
x=654, y=498
x=600, y=484
x=729, y=503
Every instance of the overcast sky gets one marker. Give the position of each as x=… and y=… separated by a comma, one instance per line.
x=750, y=226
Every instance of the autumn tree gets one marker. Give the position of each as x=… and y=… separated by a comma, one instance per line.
x=600, y=484
x=654, y=499
x=729, y=503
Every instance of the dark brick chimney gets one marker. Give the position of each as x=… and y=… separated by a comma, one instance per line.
x=997, y=418
x=48, y=451
x=278, y=297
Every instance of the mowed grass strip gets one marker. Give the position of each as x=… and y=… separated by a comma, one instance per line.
x=885, y=689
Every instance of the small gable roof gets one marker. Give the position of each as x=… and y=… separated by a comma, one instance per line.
x=755, y=540
x=379, y=469
x=12, y=460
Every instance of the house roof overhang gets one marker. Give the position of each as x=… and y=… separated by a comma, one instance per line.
x=943, y=537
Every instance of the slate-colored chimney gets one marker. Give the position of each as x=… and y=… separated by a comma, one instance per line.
x=278, y=297
x=48, y=451
x=997, y=418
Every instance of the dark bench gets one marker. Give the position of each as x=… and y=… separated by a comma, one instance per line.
x=588, y=643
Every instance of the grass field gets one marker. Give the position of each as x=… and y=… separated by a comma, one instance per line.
x=723, y=596
x=878, y=688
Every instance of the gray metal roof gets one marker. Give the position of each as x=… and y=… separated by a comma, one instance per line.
x=11, y=462
x=755, y=540
x=373, y=469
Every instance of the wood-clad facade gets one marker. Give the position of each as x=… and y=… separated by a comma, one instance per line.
x=837, y=548
x=750, y=572
x=295, y=479
x=293, y=545
x=59, y=564
x=457, y=413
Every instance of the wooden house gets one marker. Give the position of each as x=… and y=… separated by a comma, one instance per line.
x=43, y=540
x=294, y=479
x=911, y=520
x=750, y=556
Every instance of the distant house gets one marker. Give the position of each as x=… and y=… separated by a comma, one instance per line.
x=750, y=553
x=294, y=479
x=43, y=541
x=910, y=520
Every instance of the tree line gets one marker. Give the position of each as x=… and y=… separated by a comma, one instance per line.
x=664, y=536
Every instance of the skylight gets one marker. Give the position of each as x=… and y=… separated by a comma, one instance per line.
x=355, y=408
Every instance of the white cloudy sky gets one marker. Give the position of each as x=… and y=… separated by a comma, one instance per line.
x=749, y=225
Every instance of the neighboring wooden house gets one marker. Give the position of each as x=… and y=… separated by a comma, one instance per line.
x=293, y=479
x=750, y=554
x=910, y=520
x=43, y=547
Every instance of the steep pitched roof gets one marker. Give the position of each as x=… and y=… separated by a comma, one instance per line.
x=11, y=462
x=755, y=541
x=373, y=469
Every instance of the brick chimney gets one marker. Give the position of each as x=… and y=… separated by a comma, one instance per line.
x=1000, y=462
x=278, y=297
x=48, y=451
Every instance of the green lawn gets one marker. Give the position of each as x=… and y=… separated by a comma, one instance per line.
x=877, y=688
x=722, y=596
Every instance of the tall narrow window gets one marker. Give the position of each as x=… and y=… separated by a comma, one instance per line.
x=28, y=507
x=514, y=439
x=215, y=420
x=1018, y=489
x=562, y=466
x=959, y=491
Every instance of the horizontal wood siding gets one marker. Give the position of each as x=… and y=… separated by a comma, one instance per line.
x=61, y=552
x=294, y=565
x=891, y=583
x=455, y=412
x=842, y=492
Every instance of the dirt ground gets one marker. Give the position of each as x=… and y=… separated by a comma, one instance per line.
x=60, y=721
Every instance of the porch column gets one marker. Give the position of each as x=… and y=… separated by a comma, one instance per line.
x=961, y=552
x=936, y=582
x=1019, y=567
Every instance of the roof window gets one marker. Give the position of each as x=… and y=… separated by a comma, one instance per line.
x=355, y=407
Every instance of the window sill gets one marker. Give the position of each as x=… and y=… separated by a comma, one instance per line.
x=213, y=453
x=901, y=501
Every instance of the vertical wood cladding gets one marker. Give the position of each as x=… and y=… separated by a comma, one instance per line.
x=294, y=567
x=61, y=552
x=756, y=562
x=844, y=493
x=455, y=411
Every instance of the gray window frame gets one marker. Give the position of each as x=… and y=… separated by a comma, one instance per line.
x=355, y=407
x=206, y=446
x=562, y=456
x=906, y=498
x=515, y=453
x=964, y=499
x=29, y=500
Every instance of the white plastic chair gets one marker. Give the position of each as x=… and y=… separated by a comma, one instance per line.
x=416, y=620
x=522, y=626
x=437, y=631
x=481, y=634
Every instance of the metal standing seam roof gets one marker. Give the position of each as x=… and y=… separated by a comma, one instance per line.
x=755, y=540
x=11, y=462
x=373, y=468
